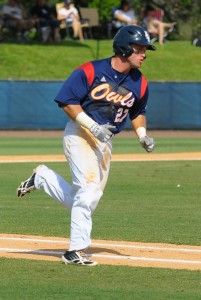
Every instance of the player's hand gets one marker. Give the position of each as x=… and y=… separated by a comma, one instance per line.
x=102, y=132
x=147, y=143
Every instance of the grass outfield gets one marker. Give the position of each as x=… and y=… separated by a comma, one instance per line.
x=24, y=279
x=50, y=62
x=46, y=145
x=141, y=203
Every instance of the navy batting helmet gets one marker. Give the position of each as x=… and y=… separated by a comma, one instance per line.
x=128, y=35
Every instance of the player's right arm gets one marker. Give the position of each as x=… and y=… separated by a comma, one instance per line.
x=76, y=88
x=72, y=93
x=72, y=110
x=101, y=132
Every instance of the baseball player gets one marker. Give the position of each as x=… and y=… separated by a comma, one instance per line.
x=98, y=97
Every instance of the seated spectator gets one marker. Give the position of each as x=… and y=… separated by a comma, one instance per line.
x=1, y=27
x=156, y=27
x=45, y=21
x=125, y=15
x=14, y=18
x=71, y=16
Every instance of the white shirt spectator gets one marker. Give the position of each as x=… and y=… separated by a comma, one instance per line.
x=68, y=14
x=128, y=16
x=14, y=11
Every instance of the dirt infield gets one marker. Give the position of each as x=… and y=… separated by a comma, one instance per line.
x=115, y=157
x=105, y=252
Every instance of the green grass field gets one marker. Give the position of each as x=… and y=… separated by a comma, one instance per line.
x=141, y=203
x=50, y=62
x=24, y=279
x=46, y=145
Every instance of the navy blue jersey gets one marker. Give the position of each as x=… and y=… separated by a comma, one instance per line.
x=106, y=95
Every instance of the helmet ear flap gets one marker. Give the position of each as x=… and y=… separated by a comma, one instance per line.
x=124, y=51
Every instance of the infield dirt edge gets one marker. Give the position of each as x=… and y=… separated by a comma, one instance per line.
x=133, y=254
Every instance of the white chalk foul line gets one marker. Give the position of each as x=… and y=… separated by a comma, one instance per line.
x=30, y=251
x=134, y=258
x=33, y=240
x=103, y=244
x=182, y=261
x=154, y=159
x=31, y=160
x=113, y=160
x=148, y=247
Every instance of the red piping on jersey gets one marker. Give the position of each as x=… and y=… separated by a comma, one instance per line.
x=88, y=69
x=143, y=87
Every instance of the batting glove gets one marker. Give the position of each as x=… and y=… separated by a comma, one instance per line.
x=102, y=132
x=147, y=143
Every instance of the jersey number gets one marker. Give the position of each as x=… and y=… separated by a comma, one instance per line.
x=121, y=114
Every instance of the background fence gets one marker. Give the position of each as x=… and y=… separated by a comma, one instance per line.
x=30, y=105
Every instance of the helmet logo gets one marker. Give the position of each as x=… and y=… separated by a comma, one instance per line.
x=147, y=36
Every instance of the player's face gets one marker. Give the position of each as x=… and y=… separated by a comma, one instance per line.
x=138, y=56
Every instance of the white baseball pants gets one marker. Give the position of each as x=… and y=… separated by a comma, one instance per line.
x=89, y=162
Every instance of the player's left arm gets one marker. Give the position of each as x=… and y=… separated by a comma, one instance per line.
x=138, y=121
x=139, y=126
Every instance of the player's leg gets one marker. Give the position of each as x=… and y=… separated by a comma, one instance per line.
x=54, y=185
x=89, y=162
x=51, y=182
x=75, y=27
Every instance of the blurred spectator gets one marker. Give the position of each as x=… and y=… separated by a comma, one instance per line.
x=45, y=21
x=156, y=27
x=1, y=24
x=125, y=15
x=15, y=18
x=196, y=38
x=70, y=14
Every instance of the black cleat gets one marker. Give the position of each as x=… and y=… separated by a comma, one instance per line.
x=27, y=186
x=78, y=258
